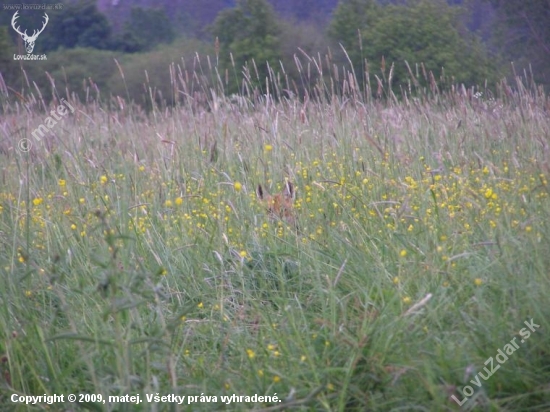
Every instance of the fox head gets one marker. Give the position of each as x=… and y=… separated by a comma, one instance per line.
x=281, y=205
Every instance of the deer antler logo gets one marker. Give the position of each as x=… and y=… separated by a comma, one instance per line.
x=29, y=40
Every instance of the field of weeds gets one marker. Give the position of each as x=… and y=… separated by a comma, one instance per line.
x=136, y=258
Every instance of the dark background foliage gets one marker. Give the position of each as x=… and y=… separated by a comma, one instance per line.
x=469, y=42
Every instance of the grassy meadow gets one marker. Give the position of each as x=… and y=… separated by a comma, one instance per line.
x=136, y=258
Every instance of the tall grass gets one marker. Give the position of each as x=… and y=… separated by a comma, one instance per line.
x=136, y=258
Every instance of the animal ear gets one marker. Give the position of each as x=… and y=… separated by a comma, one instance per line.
x=260, y=192
x=289, y=190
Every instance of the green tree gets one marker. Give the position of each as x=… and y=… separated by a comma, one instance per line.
x=145, y=29
x=427, y=32
x=80, y=24
x=349, y=19
x=250, y=31
x=522, y=34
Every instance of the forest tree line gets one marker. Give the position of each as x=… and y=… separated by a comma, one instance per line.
x=470, y=42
